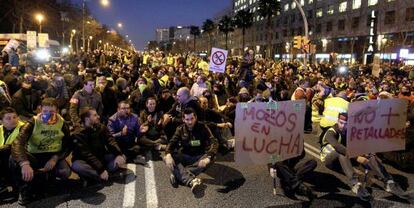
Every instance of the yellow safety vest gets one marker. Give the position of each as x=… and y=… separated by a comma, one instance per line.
x=333, y=106
x=145, y=59
x=170, y=60
x=12, y=136
x=46, y=138
x=326, y=147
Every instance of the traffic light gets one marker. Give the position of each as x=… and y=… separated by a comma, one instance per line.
x=306, y=44
x=297, y=42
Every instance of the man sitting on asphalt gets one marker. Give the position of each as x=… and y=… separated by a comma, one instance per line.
x=190, y=151
x=334, y=150
x=41, y=149
x=125, y=128
x=9, y=130
x=95, y=152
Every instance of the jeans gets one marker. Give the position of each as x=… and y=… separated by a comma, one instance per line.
x=186, y=167
x=84, y=170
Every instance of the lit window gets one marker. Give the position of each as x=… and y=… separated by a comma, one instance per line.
x=330, y=9
x=310, y=1
x=286, y=7
x=293, y=5
x=372, y=2
x=319, y=12
x=342, y=6
x=356, y=4
x=250, y=1
x=390, y=0
x=302, y=2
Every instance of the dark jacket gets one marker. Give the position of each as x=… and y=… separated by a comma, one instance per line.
x=92, y=144
x=181, y=141
x=25, y=102
x=177, y=109
x=83, y=99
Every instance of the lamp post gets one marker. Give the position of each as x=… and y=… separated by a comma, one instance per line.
x=39, y=18
x=89, y=43
x=73, y=32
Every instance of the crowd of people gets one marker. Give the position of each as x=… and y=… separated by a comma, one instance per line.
x=91, y=113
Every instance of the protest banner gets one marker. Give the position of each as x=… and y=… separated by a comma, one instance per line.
x=218, y=60
x=265, y=131
x=376, y=126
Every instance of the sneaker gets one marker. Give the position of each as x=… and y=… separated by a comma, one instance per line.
x=173, y=181
x=394, y=188
x=361, y=192
x=196, y=185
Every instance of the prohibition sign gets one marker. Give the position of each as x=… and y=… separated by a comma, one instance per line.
x=218, y=58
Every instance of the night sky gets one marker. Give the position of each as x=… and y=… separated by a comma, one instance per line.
x=140, y=18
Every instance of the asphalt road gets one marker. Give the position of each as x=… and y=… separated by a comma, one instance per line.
x=226, y=185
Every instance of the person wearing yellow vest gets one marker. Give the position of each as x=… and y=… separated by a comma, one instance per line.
x=170, y=59
x=332, y=108
x=334, y=151
x=41, y=148
x=9, y=130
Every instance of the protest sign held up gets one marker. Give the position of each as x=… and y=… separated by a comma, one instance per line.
x=376, y=126
x=218, y=60
x=264, y=131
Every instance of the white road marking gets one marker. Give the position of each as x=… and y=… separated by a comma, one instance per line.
x=150, y=186
x=312, y=147
x=129, y=190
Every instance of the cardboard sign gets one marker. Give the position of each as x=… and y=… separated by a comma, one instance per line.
x=218, y=60
x=43, y=40
x=267, y=132
x=31, y=39
x=376, y=126
x=376, y=66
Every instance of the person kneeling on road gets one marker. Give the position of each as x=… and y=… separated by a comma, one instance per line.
x=190, y=151
x=40, y=150
x=334, y=150
x=96, y=152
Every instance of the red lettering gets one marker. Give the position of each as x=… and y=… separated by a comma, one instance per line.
x=266, y=130
x=245, y=148
x=270, y=145
x=389, y=115
x=296, y=145
x=353, y=133
x=255, y=127
x=283, y=120
x=292, y=118
x=249, y=112
x=284, y=144
x=255, y=145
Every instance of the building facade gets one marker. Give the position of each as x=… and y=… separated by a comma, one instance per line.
x=341, y=27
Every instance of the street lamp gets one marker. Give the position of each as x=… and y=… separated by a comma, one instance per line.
x=39, y=18
x=120, y=25
x=105, y=3
x=89, y=43
x=73, y=32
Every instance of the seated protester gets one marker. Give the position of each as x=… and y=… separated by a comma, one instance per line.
x=86, y=97
x=5, y=98
x=153, y=136
x=217, y=124
x=41, y=147
x=173, y=118
x=125, y=128
x=26, y=101
x=95, y=152
x=190, y=151
x=9, y=130
x=292, y=173
x=334, y=150
x=166, y=101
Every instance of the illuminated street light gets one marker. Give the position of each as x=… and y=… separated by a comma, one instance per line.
x=120, y=25
x=105, y=3
x=39, y=18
